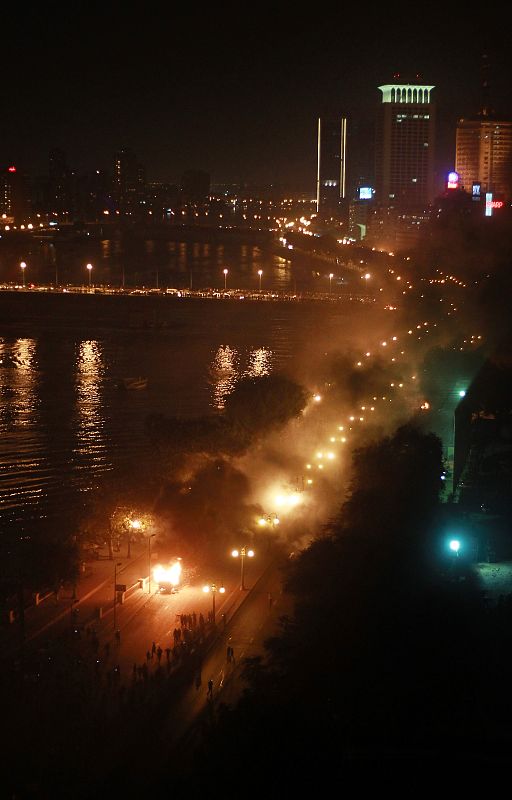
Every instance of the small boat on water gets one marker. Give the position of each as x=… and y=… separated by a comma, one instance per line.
x=132, y=383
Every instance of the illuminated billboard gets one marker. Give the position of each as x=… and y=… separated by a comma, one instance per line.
x=453, y=180
x=365, y=193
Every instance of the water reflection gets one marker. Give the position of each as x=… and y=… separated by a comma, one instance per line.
x=22, y=448
x=259, y=363
x=223, y=374
x=18, y=385
x=224, y=370
x=91, y=447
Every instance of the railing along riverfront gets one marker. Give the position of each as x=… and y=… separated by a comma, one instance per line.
x=203, y=294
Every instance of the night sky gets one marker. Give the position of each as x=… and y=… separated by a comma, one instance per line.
x=235, y=92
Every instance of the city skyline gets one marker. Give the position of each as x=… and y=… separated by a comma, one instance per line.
x=238, y=100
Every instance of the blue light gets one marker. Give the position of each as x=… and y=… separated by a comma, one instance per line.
x=455, y=545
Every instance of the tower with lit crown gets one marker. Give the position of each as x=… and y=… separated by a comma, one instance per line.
x=404, y=146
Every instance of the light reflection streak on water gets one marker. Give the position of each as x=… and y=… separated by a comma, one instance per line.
x=260, y=363
x=22, y=358
x=223, y=374
x=91, y=440
x=21, y=466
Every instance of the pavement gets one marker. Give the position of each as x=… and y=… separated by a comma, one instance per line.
x=142, y=617
x=79, y=605
x=495, y=578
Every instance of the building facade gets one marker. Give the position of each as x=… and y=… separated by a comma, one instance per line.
x=483, y=155
x=404, y=146
x=331, y=164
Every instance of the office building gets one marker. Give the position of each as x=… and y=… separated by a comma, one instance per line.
x=483, y=155
x=404, y=146
x=129, y=179
x=14, y=202
x=331, y=164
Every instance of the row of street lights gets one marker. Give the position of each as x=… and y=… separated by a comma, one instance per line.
x=242, y=553
x=212, y=588
x=89, y=269
x=225, y=272
x=23, y=266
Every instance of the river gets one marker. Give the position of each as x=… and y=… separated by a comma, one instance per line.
x=63, y=420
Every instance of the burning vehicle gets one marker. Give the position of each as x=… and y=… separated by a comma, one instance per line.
x=168, y=577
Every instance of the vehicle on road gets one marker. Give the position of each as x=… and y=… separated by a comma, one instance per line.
x=168, y=577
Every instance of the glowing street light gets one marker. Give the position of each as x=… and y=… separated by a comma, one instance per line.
x=89, y=269
x=23, y=267
x=269, y=519
x=331, y=276
x=225, y=271
x=241, y=554
x=454, y=546
x=260, y=273
x=212, y=587
x=135, y=525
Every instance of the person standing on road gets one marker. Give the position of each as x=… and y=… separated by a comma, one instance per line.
x=153, y=649
x=159, y=652
x=209, y=693
x=118, y=636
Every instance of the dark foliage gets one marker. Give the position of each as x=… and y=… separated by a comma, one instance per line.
x=254, y=408
x=391, y=649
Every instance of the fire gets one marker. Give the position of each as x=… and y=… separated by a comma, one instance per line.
x=168, y=574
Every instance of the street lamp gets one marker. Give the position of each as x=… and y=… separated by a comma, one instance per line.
x=152, y=536
x=260, y=273
x=135, y=525
x=212, y=587
x=331, y=276
x=241, y=554
x=23, y=267
x=454, y=546
x=269, y=519
x=116, y=565
x=89, y=268
x=225, y=271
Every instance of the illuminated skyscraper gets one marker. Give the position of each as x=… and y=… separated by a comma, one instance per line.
x=13, y=195
x=404, y=147
x=483, y=149
x=331, y=164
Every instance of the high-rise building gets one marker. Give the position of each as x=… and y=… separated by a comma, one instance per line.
x=60, y=195
x=331, y=164
x=483, y=149
x=14, y=202
x=129, y=178
x=404, y=146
